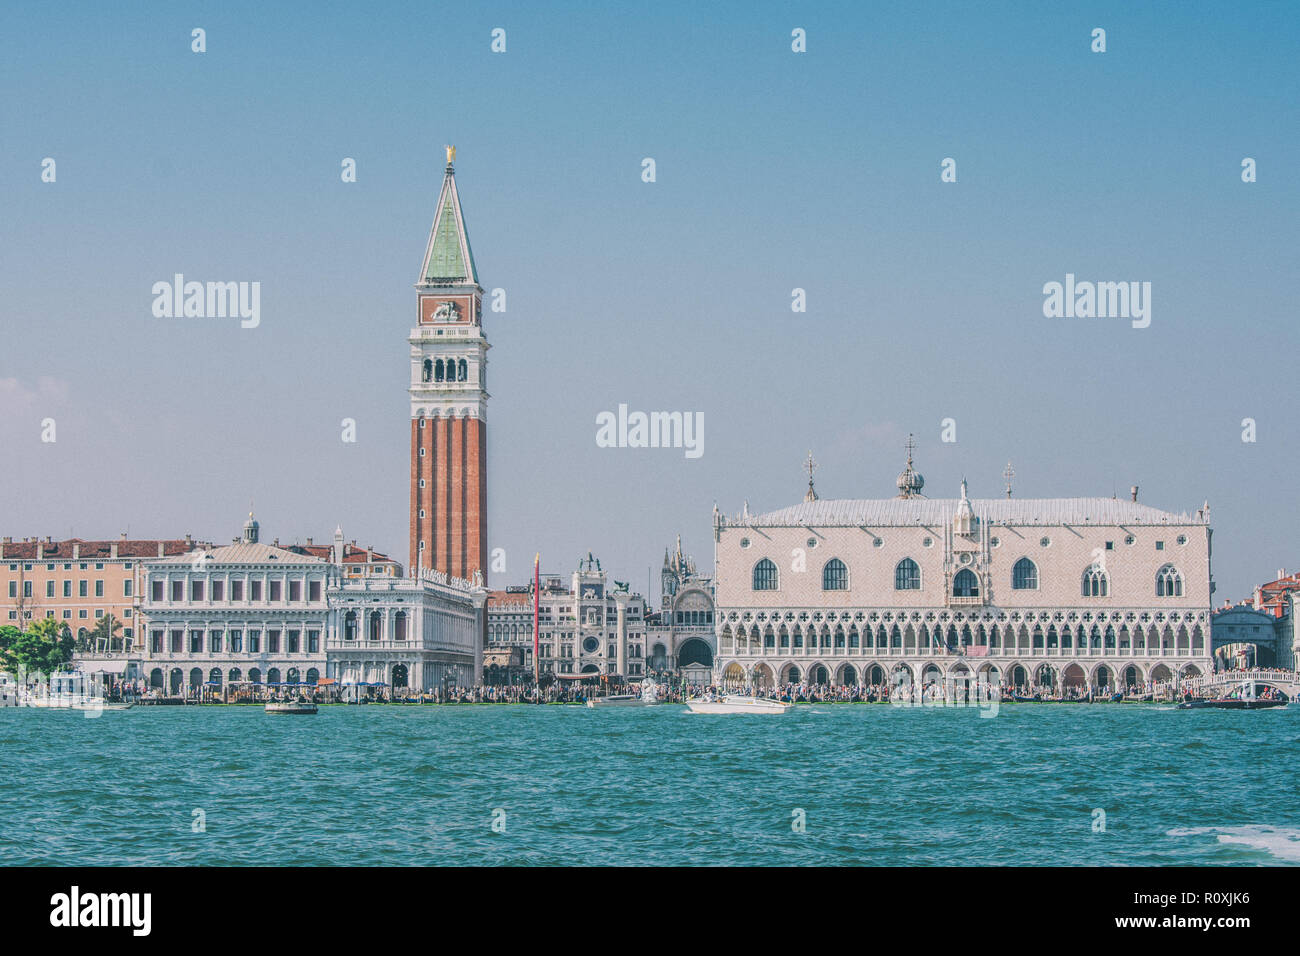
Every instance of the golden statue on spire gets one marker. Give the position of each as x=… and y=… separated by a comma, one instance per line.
x=451, y=154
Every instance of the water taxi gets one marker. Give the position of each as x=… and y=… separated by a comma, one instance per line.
x=735, y=704
x=649, y=695
x=290, y=707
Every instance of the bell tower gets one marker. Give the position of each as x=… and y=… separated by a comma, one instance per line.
x=449, y=400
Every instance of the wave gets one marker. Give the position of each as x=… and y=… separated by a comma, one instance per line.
x=1281, y=843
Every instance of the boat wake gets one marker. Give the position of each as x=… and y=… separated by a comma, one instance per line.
x=1281, y=843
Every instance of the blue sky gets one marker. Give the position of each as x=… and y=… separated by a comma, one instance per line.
x=775, y=170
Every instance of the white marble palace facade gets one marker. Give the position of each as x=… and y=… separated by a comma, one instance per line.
x=259, y=614
x=422, y=633
x=1027, y=592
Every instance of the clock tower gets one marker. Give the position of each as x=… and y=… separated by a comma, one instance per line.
x=449, y=400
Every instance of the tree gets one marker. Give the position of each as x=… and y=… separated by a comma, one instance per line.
x=44, y=647
x=8, y=637
x=104, y=633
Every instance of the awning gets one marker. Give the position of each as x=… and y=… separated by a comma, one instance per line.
x=324, y=681
x=579, y=676
x=104, y=667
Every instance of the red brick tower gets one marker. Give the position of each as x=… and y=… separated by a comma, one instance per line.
x=449, y=400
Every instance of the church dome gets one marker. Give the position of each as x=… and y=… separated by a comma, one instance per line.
x=910, y=482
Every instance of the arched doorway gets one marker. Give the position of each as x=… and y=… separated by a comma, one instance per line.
x=762, y=677
x=692, y=652
x=733, y=675
x=818, y=674
x=399, y=675
x=792, y=674
x=1017, y=675
x=255, y=675
x=875, y=675
x=156, y=678
x=1073, y=678
x=848, y=675
x=1103, y=679
x=176, y=680
x=1132, y=678
x=273, y=675
x=196, y=680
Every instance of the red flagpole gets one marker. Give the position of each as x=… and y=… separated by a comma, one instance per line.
x=537, y=596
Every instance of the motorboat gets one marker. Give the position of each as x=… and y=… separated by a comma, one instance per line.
x=735, y=704
x=1244, y=698
x=67, y=691
x=291, y=707
x=8, y=690
x=1230, y=703
x=649, y=695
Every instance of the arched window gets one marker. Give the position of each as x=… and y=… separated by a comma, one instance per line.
x=1095, y=582
x=437, y=371
x=428, y=370
x=835, y=576
x=376, y=625
x=462, y=371
x=965, y=584
x=765, y=576
x=907, y=576
x=350, y=626
x=399, y=626
x=1024, y=576
x=1169, y=583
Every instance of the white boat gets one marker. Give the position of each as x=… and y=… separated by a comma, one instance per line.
x=735, y=704
x=649, y=695
x=8, y=690
x=291, y=707
x=67, y=691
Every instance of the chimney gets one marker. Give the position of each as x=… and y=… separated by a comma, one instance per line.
x=160, y=549
x=40, y=550
x=309, y=542
x=1134, y=492
x=1281, y=573
x=189, y=542
x=112, y=550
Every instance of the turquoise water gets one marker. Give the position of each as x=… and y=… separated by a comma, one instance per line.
x=877, y=785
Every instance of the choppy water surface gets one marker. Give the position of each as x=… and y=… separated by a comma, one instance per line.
x=877, y=785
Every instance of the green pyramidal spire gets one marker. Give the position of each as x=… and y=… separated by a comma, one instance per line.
x=448, y=260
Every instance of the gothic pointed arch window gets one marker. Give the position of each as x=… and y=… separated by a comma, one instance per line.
x=437, y=371
x=1095, y=582
x=1169, y=583
x=462, y=371
x=765, y=576
x=965, y=584
x=835, y=576
x=907, y=576
x=1024, y=576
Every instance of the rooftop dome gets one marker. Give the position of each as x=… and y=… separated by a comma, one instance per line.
x=910, y=482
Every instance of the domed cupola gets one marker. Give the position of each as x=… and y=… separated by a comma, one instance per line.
x=251, y=528
x=910, y=481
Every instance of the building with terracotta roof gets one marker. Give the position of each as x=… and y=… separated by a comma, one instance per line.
x=77, y=582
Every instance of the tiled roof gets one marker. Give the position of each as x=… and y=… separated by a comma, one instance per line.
x=244, y=553
x=884, y=512
x=96, y=550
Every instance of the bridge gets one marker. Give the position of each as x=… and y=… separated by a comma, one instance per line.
x=1288, y=682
